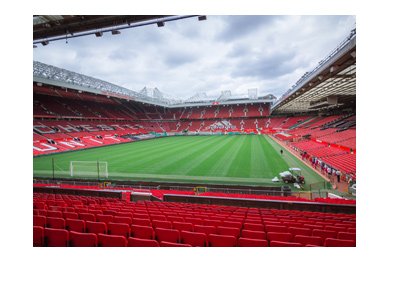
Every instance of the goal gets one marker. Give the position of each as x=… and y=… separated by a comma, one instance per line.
x=98, y=169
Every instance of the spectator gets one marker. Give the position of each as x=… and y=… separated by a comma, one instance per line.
x=338, y=175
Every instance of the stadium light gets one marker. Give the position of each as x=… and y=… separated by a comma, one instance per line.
x=34, y=46
x=99, y=34
x=202, y=18
x=160, y=24
x=45, y=43
x=115, y=32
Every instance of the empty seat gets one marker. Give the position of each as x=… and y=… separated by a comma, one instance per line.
x=336, y=228
x=346, y=236
x=87, y=217
x=194, y=238
x=284, y=244
x=56, y=237
x=78, y=239
x=279, y=236
x=253, y=234
x=162, y=224
x=77, y=225
x=169, y=235
x=38, y=236
x=234, y=224
x=140, y=231
x=207, y=229
x=119, y=229
x=333, y=242
x=122, y=219
x=140, y=242
x=96, y=227
x=300, y=231
x=211, y=222
x=71, y=215
x=253, y=226
x=141, y=221
x=54, y=214
x=55, y=222
x=275, y=228
x=172, y=244
x=104, y=218
x=234, y=231
x=324, y=233
x=305, y=240
x=249, y=242
x=221, y=240
x=182, y=226
x=39, y=220
x=107, y=240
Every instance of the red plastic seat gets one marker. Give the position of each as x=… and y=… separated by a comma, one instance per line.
x=78, y=239
x=172, y=244
x=276, y=228
x=332, y=242
x=38, y=236
x=140, y=231
x=39, y=220
x=106, y=240
x=205, y=229
x=161, y=224
x=253, y=234
x=274, y=243
x=234, y=224
x=300, y=231
x=77, y=225
x=87, y=217
x=182, y=226
x=194, y=238
x=304, y=240
x=169, y=235
x=253, y=226
x=104, y=218
x=346, y=236
x=234, y=231
x=215, y=240
x=324, y=233
x=122, y=219
x=71, y=215
x=119, y=229
x=249, y=242
x=280, y=236
x=56, y=237
x=96, y=227
x=141, y=221
x=55, y=222
x=140, y=242
x=54, y=214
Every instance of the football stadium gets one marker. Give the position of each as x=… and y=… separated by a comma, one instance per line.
x=114, y=167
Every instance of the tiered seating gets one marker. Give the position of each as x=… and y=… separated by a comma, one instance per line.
x=181, y=224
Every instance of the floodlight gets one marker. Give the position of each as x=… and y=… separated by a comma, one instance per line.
x=202, y=18
x=98, y=34
x=115, y=32
x=160, y=24
x=45, y=43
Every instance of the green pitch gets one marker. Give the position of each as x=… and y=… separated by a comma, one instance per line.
x=237, y=159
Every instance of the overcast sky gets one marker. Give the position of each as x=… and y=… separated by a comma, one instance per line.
x=234, y=53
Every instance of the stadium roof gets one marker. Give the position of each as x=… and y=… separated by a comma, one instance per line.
x=330, y=85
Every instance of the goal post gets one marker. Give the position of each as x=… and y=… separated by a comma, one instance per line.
x=97, y=169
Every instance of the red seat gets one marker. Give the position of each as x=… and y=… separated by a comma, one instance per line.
x=38, y=236
x=346, y=236
x=54, y=214
x=71, y=215
x=275, y=228
x=336, y=228
x=122, y=219
x=332, y=242
x=106, y=240
x=56, y=237
x=172, y=244
x=96, y=227
x=194, y=238
x=119, y=229
x=140, y=231
x=253, y=226
x=169, y=235
x=253, y=234
x=182, y=226
x=141, y=221
x=234, y=224
x=211, y=222
x=87, y=217
x=140, y=242
x=77, y=225
x=234, y=231
x=221, y=240
x=104, y=218
x=162, y=224
x=300, y=231
x=274, y=243
x=304, y=240
x=207, y=229
x=279, y=236
x=324, y=233
x=39, y=220
x=78, y=239
x=249, y=242
x=55, y=222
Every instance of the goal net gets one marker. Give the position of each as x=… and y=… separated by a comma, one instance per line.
x=97, y=169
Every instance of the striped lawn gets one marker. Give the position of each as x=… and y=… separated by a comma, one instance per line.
x=239, y=159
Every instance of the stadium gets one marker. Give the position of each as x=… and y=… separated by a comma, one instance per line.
x=117, y=167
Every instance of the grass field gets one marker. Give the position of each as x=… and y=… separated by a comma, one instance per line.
x=238, y=159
